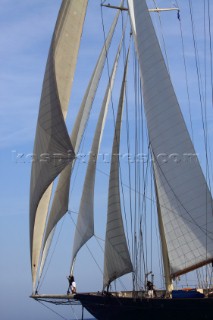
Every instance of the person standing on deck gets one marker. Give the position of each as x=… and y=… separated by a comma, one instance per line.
x=72, y=285
x=150, y=288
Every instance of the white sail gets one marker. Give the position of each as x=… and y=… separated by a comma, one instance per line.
x=184, y=198
x=52, y=149
x=61, y=196
x=117, y=260
x=45, y=252
x=85, y=223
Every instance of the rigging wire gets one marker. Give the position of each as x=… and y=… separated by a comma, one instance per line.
x=209, y=168
x=197, y=63
x=162, y=36
x=186, y=73
x=73, y=311
x=208, y=149
x=128, y=159
x=211, y=47
x=211, y=78
x=203, y=117
x=53, y=311
x=92, y=255
x=191, y=218
x=135, y=172
x=133, y=190
x=203, y=107
x=41, y=280
x=114, y=121
x=199, y=85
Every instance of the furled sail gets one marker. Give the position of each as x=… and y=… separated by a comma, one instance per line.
x=85, y=223
x=117, y=260
x=61, y=196
x=184, y=197
x=52, y=148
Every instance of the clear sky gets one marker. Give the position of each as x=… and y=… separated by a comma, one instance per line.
x=26, y=30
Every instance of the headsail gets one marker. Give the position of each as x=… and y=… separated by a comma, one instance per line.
x=117, y=260
x=184, y=198
x=52, y=149
x=85, y=223
x=61, y=196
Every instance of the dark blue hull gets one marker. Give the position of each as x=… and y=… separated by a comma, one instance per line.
x=114, y=308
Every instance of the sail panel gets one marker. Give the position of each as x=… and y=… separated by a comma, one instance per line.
x=184, y=197
x=117, y=260
x=61, y=196
x=53, y=149
x=45, y=252
x=67, y=38
x=85, y=223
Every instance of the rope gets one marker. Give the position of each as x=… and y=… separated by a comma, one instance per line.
x=203, y=114
x=163, y=40
x=58, y=314
x=88, y=248
x=132, y=189
x=121, y=283
x=40, y=283
x=73, y=311
x=183, y=217
x=129, y=168
x=186, y=74
x=114, y=121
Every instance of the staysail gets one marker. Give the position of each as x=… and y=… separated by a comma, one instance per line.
x=85, y=223
x=61, y=196
x=117, y=260
x=184, y=197
x=52, y=148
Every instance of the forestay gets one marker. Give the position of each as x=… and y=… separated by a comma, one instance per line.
x=184, y=198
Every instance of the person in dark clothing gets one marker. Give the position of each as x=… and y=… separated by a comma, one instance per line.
x=72, y=284
x=149, y=285
x=151, y=289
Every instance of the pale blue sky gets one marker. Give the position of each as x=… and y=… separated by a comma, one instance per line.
x=26, y=30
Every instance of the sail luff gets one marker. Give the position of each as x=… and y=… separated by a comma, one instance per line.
x=117, y=260
x=61, y=196
x=184, y=197
x=85, y=223
x=53, y=149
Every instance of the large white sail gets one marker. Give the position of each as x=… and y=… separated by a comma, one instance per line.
x=184, y=198
x=52, y=149
x=61, y=196
x=117, y=260
x=85, y=223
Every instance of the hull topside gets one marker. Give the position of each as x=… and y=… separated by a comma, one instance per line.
x=104, y=307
